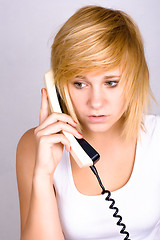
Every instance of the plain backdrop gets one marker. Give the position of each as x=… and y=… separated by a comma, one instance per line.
x=27, y=29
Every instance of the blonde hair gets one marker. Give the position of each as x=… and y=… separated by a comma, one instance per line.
x=97, y=38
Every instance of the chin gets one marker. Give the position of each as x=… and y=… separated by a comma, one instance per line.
x=102, y=127
x=98, y=128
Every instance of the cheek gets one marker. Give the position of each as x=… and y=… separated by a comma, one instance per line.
x=77, y=97
x=118, y=102
x=77, y=102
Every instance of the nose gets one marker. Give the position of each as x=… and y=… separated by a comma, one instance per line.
x=96, y=98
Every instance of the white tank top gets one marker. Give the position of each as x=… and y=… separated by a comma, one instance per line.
x=89, y=217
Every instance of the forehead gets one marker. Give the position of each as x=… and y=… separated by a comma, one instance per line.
x=116, y=73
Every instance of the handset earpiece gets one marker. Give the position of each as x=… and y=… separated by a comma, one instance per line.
x=83, y=153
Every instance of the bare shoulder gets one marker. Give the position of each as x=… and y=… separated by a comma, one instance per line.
x=26, y=150
x=25, y=162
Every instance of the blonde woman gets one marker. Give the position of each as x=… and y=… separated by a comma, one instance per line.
x=100, y=70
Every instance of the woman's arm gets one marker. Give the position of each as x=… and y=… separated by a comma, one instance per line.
x=38, y=207
x=38, y=153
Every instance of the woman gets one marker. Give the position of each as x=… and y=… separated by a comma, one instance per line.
x=100, y=70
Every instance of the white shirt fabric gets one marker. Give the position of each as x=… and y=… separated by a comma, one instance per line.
x=89, y=217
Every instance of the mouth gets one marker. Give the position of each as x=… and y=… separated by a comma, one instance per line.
x=98, y=118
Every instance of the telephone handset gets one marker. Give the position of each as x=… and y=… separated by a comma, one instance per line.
x=83, y=153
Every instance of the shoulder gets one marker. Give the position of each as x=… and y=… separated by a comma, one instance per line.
x=27, y=137
x=26, y=148
x=150, y=137
x=25, y=154
x=149, y=149
x=152, y=124
x=25, y=158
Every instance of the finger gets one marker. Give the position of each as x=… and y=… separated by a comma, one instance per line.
x=54, y=139
x=58, y=127
x=54, y=117
x=44, y=111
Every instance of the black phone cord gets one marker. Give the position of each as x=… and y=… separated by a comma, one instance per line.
x=108, y=198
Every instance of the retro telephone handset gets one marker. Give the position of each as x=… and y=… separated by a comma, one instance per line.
x=83, y=153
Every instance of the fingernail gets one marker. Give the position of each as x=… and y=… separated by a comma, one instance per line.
x=42, y=91
x=80, y=133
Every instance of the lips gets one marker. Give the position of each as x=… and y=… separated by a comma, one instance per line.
x=98, y=118
x=97, y=115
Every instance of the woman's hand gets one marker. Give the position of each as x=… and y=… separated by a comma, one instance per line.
x=50, y=139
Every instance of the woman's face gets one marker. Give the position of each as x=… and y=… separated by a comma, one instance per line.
x=98, y=100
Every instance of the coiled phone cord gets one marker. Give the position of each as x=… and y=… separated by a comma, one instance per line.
x=108, y=198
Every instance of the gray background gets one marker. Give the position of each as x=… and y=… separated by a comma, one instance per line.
x=27, y=29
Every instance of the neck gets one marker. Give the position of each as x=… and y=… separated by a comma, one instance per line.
x=110, y=143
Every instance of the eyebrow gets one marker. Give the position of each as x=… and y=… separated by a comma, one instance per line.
x=112, y=76
x=80, y=76
x=105, y=77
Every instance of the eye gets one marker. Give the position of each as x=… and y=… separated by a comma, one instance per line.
x=111, y=83
x=79, y=85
